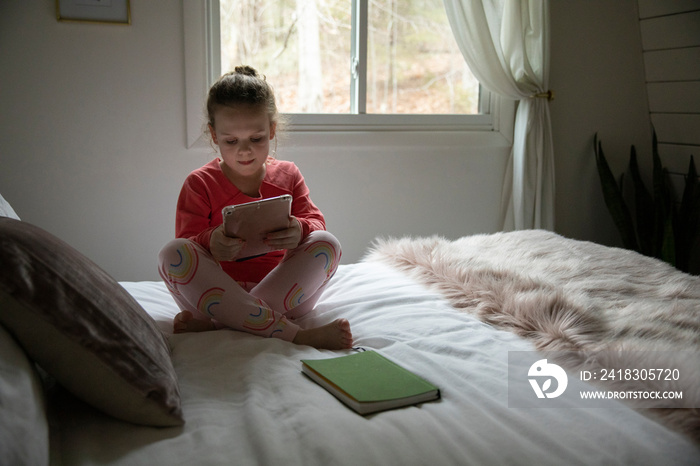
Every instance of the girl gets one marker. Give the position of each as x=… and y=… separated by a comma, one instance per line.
x=262, y=295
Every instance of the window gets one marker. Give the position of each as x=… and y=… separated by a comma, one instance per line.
x=371, y=65
x=340, y=57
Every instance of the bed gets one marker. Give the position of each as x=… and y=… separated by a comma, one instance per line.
x=453, y=312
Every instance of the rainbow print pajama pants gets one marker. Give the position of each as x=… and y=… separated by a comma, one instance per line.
x=199, y=285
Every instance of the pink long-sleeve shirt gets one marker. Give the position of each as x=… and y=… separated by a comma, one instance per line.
x=206, y=191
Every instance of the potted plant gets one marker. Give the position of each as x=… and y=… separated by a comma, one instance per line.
x=662, y=225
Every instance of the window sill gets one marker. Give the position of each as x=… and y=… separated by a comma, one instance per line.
x=202, y=68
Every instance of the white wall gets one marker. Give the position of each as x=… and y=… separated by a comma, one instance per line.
x=91, y=137
x=92, y=146
x=92, y=143
x=398, y=184
x=598, y=76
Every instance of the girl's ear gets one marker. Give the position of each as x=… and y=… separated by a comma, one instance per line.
x=213, y=134
x=273, y=128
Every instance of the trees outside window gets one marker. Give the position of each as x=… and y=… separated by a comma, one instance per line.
x=304, y=47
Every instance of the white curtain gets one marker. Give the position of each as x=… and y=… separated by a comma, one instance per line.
x=506, y=45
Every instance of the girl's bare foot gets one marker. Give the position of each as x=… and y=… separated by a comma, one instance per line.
x=186, y=322
x=333, y=336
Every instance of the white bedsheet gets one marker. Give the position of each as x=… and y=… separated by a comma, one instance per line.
x=245, y=400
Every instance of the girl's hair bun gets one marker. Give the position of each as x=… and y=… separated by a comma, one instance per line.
x=246, y=70
x=242, y=86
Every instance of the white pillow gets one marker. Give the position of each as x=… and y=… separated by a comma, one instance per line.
x=24, y=430
x=6, y=209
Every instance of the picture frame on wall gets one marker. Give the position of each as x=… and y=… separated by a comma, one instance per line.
x=94, y=11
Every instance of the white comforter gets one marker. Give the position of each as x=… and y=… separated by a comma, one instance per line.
x=245, y=400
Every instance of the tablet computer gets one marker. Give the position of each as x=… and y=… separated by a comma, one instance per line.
x=252, y=221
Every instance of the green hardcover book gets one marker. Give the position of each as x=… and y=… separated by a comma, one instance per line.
x=368, y=382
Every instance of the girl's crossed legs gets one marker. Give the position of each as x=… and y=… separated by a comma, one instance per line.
x=209, y=298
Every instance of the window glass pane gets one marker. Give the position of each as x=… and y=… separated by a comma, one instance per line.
x=301, y=46
x=414, y=65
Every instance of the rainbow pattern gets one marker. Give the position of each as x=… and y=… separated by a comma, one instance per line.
x=327, y=251
x=209, y=299
x=294, y=297
x=182, y=272
x=281, y=325
x=260, y=320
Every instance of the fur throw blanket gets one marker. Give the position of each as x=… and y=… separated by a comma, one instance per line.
x=566, y=295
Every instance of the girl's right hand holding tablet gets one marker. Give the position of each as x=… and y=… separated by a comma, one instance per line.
x=222, y=247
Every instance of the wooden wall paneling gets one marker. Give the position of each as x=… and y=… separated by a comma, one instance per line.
x=665, y=32
x=677, y=128
x=651, y=8
x=677, y=157
x=674, y=97
x=670, y=32
x=672, y=64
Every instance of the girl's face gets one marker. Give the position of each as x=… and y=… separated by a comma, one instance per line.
x=243, y=135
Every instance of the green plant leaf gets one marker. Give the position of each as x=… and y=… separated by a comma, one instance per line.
x=667, y=252
x=643, y=206
x=672, y=232
x=614, y=200
x=663, y=201
x=688, y=223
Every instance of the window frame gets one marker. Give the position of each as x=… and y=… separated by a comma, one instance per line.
x=201, y=25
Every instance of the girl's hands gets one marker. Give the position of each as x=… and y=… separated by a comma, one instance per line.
x=225, y=248
x=285, y=239
x=222, y=247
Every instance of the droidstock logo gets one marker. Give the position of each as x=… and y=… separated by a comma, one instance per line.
x=542, y=370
